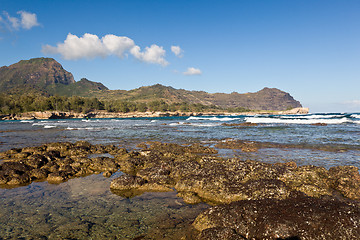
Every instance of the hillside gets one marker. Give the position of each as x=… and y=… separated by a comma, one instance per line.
x=46, y=76
x=265, y=99
x=43, y=76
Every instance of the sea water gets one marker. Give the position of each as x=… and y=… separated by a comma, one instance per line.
x=84, y=208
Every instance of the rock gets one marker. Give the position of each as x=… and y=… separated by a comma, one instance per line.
x=196, y=174
x=3, y=178
x=39, y=174
x=129, y=186
x=126, y=182
x=300, y=217
x=19, y=167
x=195, y=171
x=102, y=164
x=220, y=233
x=319, y=124
x=56, y=162
x=107, y=174
x=299, y=110
x=57, y=177
x=36, y=161
x=17, y=179
x=190, y=197
x=346, y=180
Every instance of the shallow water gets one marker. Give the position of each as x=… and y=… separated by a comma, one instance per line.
x=84, y=208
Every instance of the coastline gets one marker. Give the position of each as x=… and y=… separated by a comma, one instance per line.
x=105, y=114
x=210, y=172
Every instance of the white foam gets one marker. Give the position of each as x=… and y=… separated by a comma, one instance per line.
x=198, y=124
x=177, y=123
x=153, y=121
x=27, y=121
x=49, y=126
x=212, y=118
x=297, y=121
x=311, y=116
x=204, y=124
x=355, y=115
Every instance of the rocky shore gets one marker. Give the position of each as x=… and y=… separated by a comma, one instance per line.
x=251, y=199
x=104, y=114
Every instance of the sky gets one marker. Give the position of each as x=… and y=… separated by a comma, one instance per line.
x=308, y=48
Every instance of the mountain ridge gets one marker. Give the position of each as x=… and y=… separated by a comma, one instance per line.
x=46, y=76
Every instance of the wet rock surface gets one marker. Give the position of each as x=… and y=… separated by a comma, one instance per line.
x=299, y=217
x=195, y=171
x=260, y=200
x=56, y=162
x=254, y=146
x=198, y=174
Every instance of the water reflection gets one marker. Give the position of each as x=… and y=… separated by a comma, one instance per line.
x=84, y=208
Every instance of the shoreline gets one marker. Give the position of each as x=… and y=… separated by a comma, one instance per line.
x=105, y=114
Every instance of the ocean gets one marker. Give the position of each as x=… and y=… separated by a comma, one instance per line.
x=84, y=208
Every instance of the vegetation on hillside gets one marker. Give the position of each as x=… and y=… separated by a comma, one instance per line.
x=56, y=89
x=27, y=103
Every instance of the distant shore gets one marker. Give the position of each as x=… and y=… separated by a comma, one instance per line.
x=105, y=114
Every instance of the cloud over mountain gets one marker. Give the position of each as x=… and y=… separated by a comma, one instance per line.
x=91, y=46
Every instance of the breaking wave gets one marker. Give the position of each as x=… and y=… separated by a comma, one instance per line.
x=298, y=121
x=222, y=119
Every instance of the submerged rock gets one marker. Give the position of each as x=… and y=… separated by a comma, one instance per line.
x=299, y=217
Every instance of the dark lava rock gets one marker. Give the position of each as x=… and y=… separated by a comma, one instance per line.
x=300, y=217
x=220, y=233
x=196, y=173
x=39, y=173
x=125, y=182
x=129, y=186
x=346, y=180
x=56, y=162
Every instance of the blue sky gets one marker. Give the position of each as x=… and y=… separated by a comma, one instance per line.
x=310, y=49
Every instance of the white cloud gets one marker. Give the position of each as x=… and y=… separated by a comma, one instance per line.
x=117, y=45
x=11, y=22
x=88, y=46
x=153, y=54
x=28, y=20
x=192, y=71
x=91, y=46
x=177, y=51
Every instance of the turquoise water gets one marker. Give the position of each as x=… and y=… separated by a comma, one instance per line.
x=84, y=208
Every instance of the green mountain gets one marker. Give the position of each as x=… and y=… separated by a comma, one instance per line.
x=43, y=76
x=265, y=99
x=47, y=77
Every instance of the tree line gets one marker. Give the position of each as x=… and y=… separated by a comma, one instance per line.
x=28, y=103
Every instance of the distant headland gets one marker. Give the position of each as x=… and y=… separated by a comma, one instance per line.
x=43, y=85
